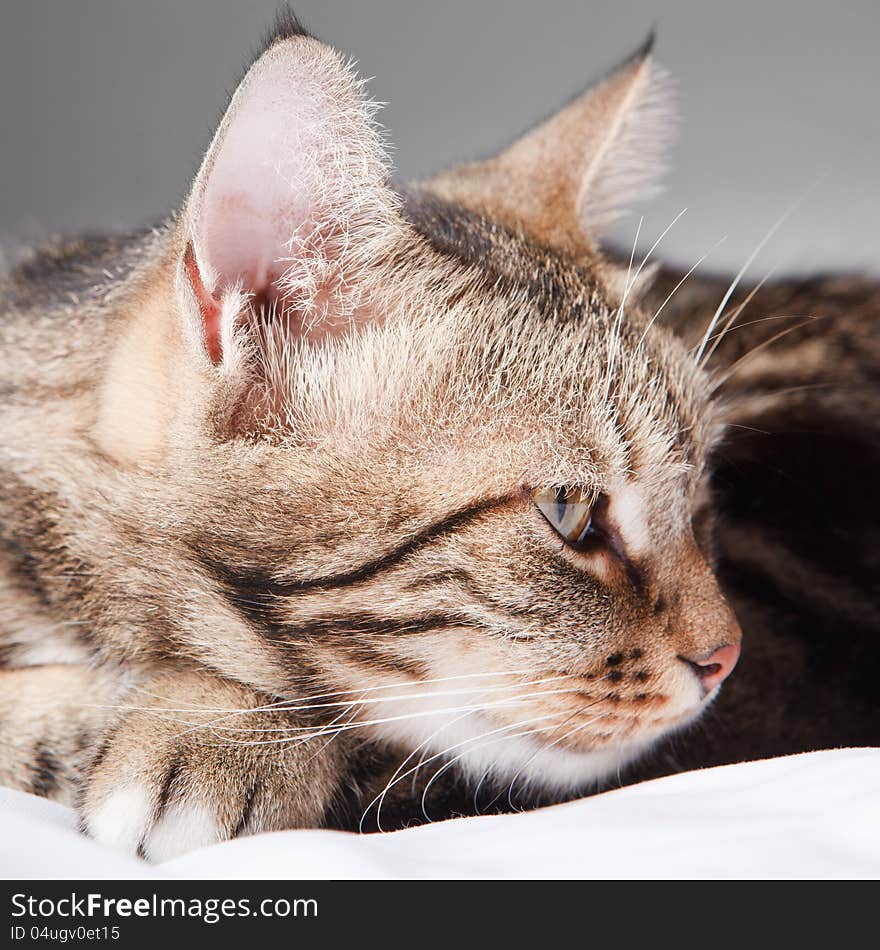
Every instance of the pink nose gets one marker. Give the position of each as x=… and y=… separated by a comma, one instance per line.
x=716, y=667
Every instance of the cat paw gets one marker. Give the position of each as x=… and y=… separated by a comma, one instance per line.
x=170, y=778
x=167, y=798
x=131, y=820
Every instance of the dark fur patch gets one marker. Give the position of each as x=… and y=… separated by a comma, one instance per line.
x=102, y=750
x=285, y=26
x=36, y=553
x=168, y=786
x=67, y=269
x=384, y=661
x=556, y=288
x=261, y=584
x=246, y=812
x=45, y=771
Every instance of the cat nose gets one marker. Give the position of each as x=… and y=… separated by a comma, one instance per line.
x=714, y=668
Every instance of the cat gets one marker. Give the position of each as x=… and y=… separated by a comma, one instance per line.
x=330, y=503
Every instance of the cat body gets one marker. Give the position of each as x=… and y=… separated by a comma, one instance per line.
x=276, y=549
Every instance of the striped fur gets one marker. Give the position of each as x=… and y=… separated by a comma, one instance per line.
x=292, y=575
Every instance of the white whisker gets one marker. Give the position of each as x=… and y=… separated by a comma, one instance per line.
x=553, y=744
x=619, y=315
x=756, y=321
x=294, y=704
x=423, y=746
x=651, y=250
x=461, y=755
x=672, y=292
x=721, y=380
x=734, y=315
x=293, y=734
x=741, y=273
x=285, y=707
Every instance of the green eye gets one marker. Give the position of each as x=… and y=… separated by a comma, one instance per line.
x=568, y=510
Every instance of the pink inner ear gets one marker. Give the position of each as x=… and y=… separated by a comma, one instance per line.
x=208, y=307
x=274, y=167
x=294, y=181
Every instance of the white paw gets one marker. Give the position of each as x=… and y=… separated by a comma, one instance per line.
x=127, y=821
x=121, y=820
x=182, y=827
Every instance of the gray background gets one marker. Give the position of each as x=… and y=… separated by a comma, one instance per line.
x=107, y=105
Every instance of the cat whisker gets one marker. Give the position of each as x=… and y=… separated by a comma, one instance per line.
x=335, y=734
x=739, y=425
x=421, y=762
x=551, y=745
x=751, y=323
x=718, y=337
x=473, y=706
x=651, y=250
x=423, y=747
x=731, y=289
x=731, y=370
x=630, y=283
x=442, y=753
x=775, y=394
x=428, y=695
x=476, y=795
x=532, y=758
x=674, y=290
x=609, y=372
x=632, y=255
x=329, y=728
x=297, y=705
x=293, y=733
x=452, y=761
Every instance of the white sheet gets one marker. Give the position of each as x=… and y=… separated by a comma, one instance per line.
x=813, y=815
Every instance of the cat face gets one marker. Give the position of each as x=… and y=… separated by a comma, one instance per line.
x=447, y=466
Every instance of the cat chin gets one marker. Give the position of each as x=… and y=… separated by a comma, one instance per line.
x=529, y=768
x=555, y=771
x=483, y=752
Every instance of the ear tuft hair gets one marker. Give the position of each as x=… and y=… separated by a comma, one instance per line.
x=567, y=179
x=286, y=25
x=634, y=157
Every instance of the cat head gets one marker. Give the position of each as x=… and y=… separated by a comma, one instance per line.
x=438, y=458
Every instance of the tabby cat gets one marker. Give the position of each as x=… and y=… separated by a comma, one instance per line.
x=330, y=503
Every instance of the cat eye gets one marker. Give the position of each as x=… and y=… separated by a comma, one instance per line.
x=569, y=512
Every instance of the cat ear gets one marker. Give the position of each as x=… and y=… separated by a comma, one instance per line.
x=570, y=177
x=290, y=199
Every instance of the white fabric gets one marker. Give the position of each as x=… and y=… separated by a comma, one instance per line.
x=812, y=815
